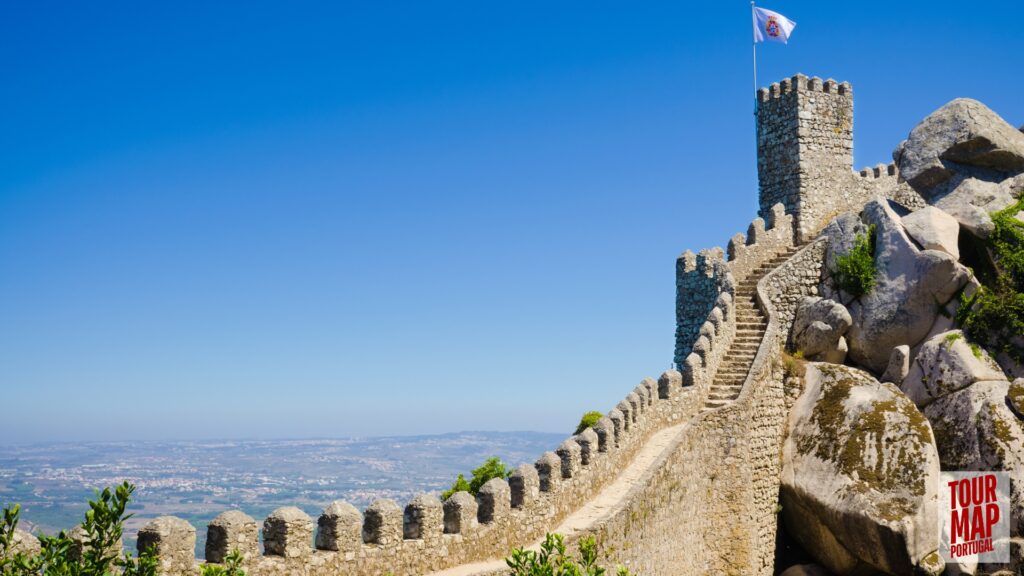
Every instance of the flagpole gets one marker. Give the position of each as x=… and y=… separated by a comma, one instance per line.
x=754, y=45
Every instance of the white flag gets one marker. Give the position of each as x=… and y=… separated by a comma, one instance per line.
x=769, y=25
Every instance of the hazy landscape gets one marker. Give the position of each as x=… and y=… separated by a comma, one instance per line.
x=198, y=480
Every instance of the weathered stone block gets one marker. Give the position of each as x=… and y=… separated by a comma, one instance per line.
x=230, y=531
x=588, y=445
x=652, y=389
x=173, y=540
x=549, y=471
x=79, y=539
x=493, y=501
x=288, y=532
x=460, y=511
x=669, y=383
x=569, y=454
x=424, y=518
x=23, y=542
x=605, y=430
x=340, y=528
x=627, y=414
x=636, y=404
x=524, y=482
x=642, y=392
x=382, y=523
x=618, y=424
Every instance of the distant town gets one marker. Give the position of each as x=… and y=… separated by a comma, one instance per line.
x=198, y=480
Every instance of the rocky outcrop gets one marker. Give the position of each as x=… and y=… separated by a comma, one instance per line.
x=971, y=201
x=859, y=474
x=975, y=429
x=963, y=132
x=911, y=286
x=818, y=328
x=933, y=229
x=899, y=365
x=945, y=364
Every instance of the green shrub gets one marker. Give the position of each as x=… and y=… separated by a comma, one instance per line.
x=103, y=528
x=552, y=561
x=855, y=271
x=232, y=566
x=491, y=468
x=994, y=315
x=588, y=420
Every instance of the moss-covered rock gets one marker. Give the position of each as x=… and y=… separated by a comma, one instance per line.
x=975, y=429
x=946, y=363
x=860, y=474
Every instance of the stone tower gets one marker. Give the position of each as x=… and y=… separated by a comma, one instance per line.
x=804, y=149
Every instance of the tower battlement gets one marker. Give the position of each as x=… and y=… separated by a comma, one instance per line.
x=804, y=148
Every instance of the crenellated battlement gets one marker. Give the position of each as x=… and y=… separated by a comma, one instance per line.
x=800, y=83
x=426, y=534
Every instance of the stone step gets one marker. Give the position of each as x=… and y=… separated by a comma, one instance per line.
x=723, y=397
x=734, y=373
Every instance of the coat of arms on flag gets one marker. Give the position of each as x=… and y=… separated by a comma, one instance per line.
x=771, y=26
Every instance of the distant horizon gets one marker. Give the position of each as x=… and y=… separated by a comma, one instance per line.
x=4, y=443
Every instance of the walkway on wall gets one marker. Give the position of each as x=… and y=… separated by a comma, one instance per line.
x=587, y=515
x=751, y=324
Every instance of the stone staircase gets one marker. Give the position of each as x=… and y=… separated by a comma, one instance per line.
x=750, y=327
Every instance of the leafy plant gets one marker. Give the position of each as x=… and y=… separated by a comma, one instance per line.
x=551, y=560
x=588, y=420
x=102, y=528
x=232, y=566
x=855, y=271
x=491, y=468
x=994, y=315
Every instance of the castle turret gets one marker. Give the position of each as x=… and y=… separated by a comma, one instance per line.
x=804, y=149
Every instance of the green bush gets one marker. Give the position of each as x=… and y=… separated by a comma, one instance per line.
x=232, y=566
x=491, y=468
x=552, y=561
x=855, y=271
x=588, y=420
x=103, y=528
x=994, y=315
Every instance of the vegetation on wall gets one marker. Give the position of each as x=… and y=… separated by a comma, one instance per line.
x=95, y=556
x=855, y=271
x=588, y=420
x=491, y=468
x=232, y=566
x=994, y=315
x=551, y=560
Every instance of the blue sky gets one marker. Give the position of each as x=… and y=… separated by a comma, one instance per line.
x=276, y=220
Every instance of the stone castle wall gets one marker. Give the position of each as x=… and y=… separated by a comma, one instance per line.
x=805, y=154
x=427, y=535
x=703, y=277
x=710, y=506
